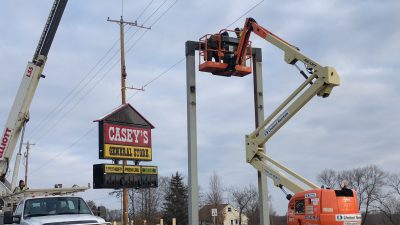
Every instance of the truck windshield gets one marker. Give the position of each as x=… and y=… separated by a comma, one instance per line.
x=55, y=206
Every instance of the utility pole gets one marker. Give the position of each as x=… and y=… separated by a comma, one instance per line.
x=28, y=146
x=122, y=23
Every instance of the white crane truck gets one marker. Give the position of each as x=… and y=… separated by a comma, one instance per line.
x=37, y=206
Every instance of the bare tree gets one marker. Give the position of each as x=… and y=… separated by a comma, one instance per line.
x=202, y=197
x=114, y=215
x=241, y=197
x=252, y=208
x=370, y=181
x=215, y=194
x=367, y=181
x=148, y=201
x=329, y=178
x=145, y=204
x=394, y=183
x=389, y=205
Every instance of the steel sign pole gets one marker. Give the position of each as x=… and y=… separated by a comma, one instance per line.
x=192, y=132
x=259, y=118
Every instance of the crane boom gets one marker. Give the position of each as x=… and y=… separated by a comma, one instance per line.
x=309, y=204
x=320, y=82
x=19, y=113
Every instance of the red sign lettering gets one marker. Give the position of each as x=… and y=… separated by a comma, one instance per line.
x=4, y=141
x=29, y=71
x=127, y=135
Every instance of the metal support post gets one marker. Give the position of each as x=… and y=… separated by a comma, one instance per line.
x=259, y=118
x=28, y=147
x=192, y=132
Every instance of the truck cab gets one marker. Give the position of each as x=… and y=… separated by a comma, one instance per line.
x=53, y=210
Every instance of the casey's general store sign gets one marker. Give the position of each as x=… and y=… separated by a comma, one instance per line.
x=129, y=137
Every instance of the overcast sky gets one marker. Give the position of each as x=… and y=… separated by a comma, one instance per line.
x=356, y=126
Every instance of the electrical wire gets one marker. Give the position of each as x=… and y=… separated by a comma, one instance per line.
x=163, y=73
x=54, y=125
x=183, y=58
x=144, y=10
x=251, y=9
x=61, y=152
x=73, y=92
x=51, y=116
x=146, y=84
x=56, y=110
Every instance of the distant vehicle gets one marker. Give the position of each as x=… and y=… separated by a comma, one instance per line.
x=54, y=210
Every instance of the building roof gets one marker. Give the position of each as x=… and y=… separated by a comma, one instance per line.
x=126, y=114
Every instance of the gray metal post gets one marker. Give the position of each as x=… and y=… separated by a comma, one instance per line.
x=192, y=132
x=259, y=118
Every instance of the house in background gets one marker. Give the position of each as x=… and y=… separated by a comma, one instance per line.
x=227, y=215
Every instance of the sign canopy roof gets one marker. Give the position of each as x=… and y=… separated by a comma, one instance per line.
x=126, y=114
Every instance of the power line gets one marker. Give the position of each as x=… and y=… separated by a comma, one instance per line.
x=63, y=103
x=163, y=73
x=155, y=11
x=60, y=107
x=146, y=84
x=57, y=155
x=144, y=10
x=240, y=17
x=61, y=152
x=183, y=58
x=137, y=40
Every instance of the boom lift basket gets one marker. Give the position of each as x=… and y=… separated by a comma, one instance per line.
x=217, y=55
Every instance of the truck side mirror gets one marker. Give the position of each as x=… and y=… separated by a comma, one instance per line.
x=8, y=217
x=17, y=219
x=102, y=212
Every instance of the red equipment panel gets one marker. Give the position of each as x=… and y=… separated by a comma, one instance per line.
x=324, y=207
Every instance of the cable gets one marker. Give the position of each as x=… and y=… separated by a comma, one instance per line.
x=63, y=103
x=57, y=155
x=164, y=13
x=62, y=106
x=163, y=73
x=59, y=107
x=147, y=84
x=137, y=40
x=251, y=9
x=148, y=5
x=183, y=58
x=130, y=37
x=155, y=11
x=75, y=105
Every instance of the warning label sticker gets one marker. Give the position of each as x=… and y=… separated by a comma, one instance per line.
x=352, y=223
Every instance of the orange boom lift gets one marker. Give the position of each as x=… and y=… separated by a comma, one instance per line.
x=309, y=205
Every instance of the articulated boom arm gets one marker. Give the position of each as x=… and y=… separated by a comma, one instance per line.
x=19, y=113
x=320, y=82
